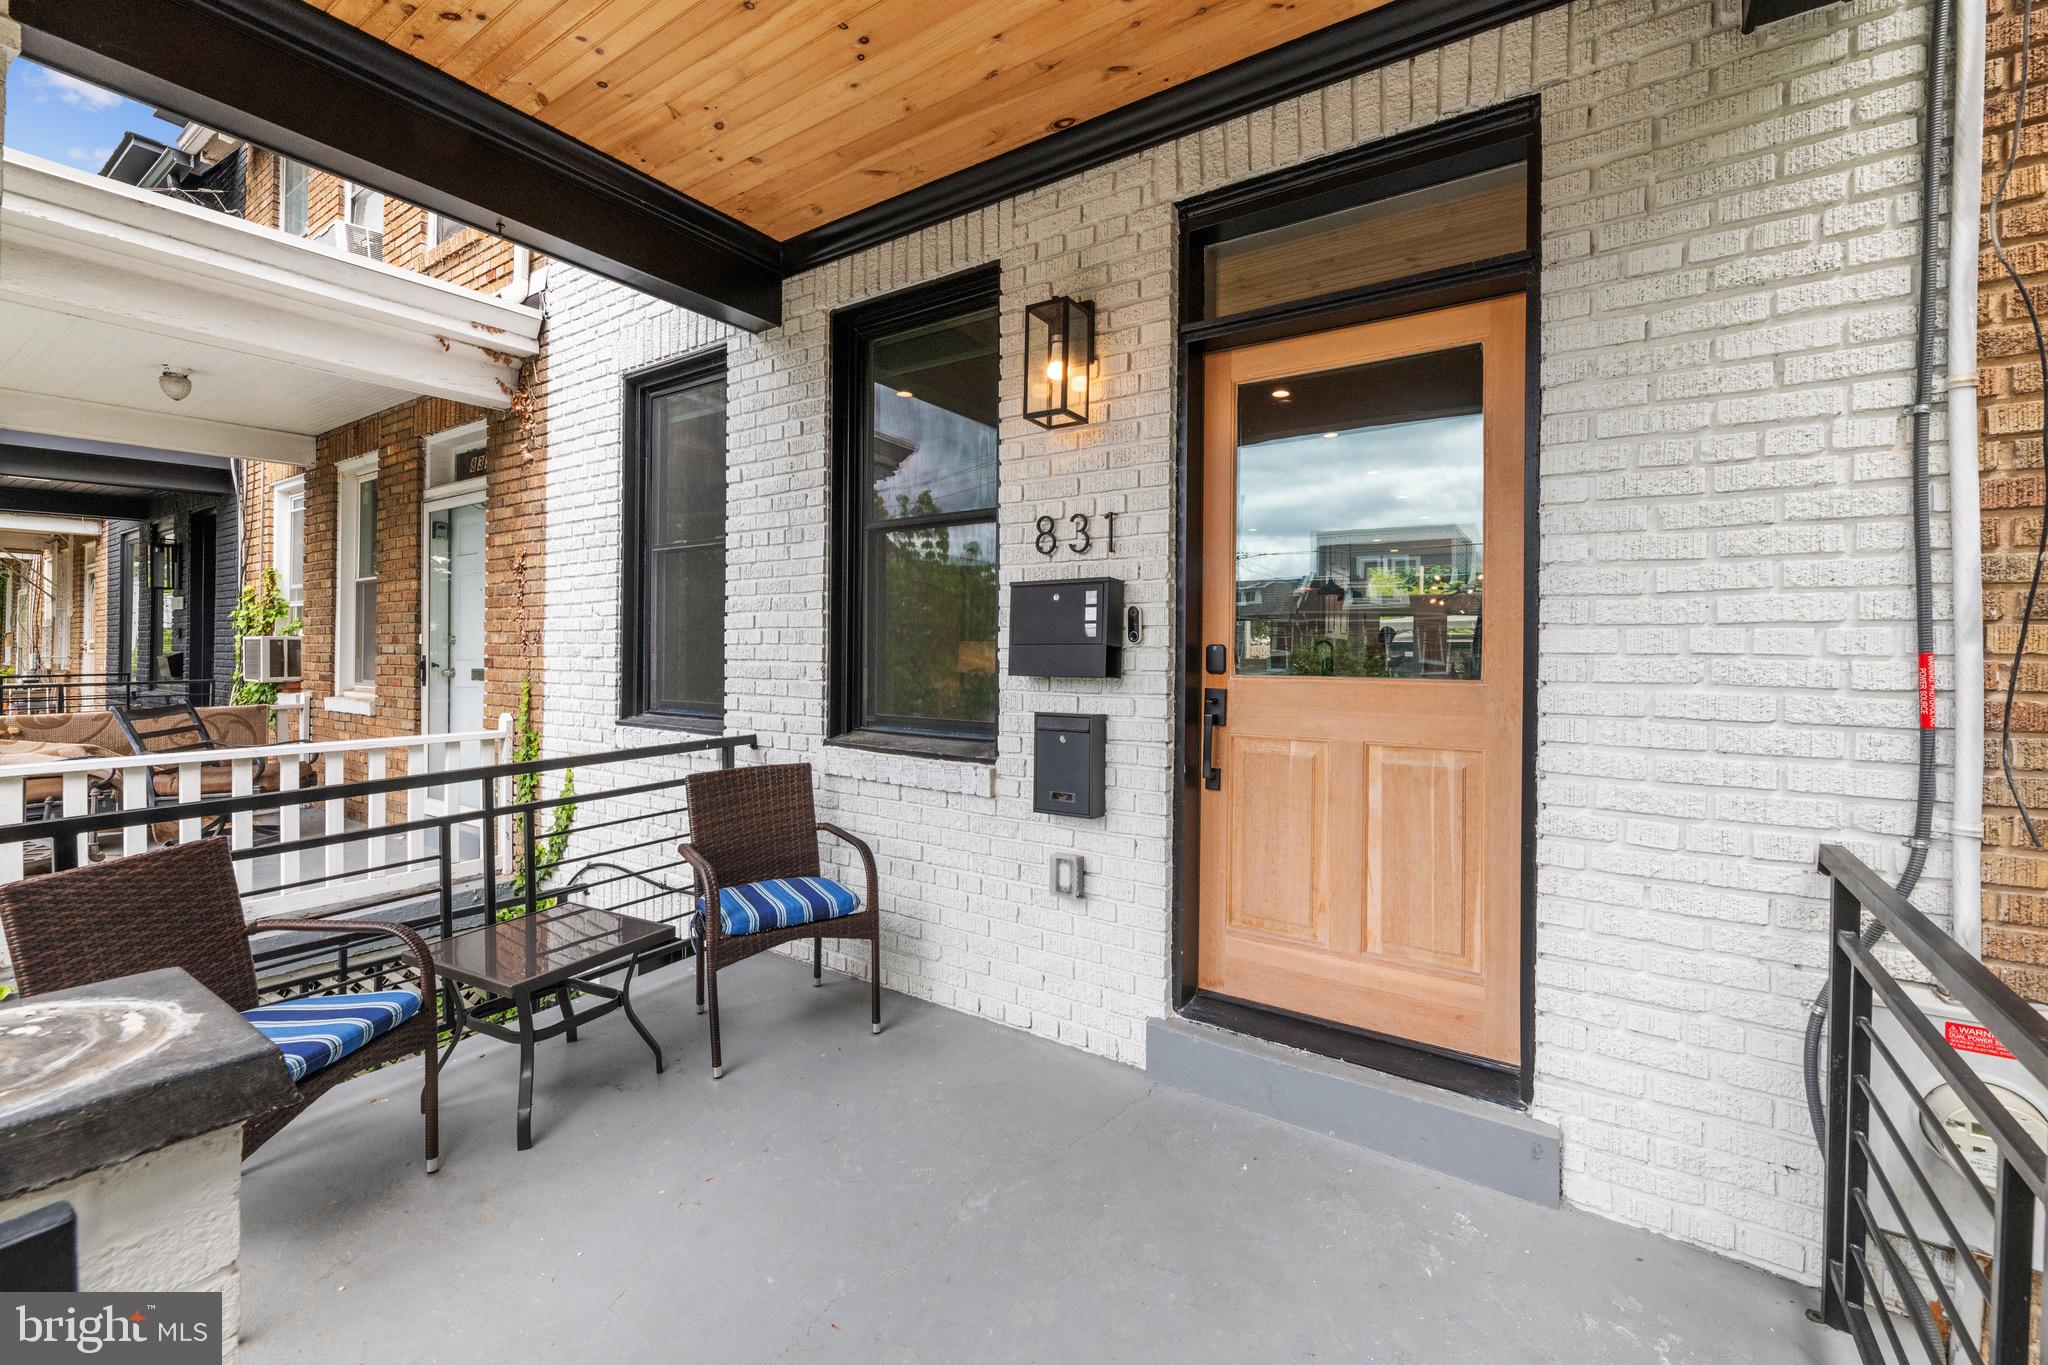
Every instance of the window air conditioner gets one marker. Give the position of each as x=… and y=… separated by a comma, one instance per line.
x=270, y=658
x=353, y=239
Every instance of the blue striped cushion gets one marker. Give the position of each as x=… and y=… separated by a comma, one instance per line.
x=319, y=1030
x=781, y=903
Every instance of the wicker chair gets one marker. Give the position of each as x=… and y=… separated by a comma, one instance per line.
x=179, y=907
x=754, y=846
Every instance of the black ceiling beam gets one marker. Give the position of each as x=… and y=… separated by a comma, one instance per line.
x=1391, y=33
x=19, y=461
x=287, y=76
x=63, y=502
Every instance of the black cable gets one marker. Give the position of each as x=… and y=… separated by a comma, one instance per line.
x=2019, y=649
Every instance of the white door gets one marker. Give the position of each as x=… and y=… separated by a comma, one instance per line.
x=455, y=618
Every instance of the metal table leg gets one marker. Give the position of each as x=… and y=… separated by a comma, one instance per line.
x=562, y=994
x=524, y=1003
x=457, y=1016
x=626, y=1001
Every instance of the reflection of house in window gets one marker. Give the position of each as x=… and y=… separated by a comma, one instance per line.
x=1397, y=601
x=1380, y=560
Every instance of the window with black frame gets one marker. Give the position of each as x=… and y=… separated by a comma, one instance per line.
x=674, y=588
x=918, y=379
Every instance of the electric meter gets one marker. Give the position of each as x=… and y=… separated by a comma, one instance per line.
x=1969, y=1135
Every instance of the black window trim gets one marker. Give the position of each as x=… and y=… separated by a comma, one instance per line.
x=133, y=551
x=851, y=425
x=635, y=667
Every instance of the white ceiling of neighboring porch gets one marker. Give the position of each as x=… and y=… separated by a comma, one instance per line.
x=102, y=286
x=71, y=377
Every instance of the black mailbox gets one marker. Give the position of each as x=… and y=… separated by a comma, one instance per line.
x=1068, y=762
x=1071, y=629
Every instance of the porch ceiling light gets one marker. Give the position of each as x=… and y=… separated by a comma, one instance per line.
x=1059, y=355
x=176, y=384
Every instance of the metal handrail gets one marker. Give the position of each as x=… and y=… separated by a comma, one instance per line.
x=485, y=890
x=1858, y=982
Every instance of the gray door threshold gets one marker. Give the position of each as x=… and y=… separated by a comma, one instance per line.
x=1502, y=1149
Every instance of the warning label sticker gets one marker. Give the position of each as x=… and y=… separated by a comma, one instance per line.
x=1974, y=1038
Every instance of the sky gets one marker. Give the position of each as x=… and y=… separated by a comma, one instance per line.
x=1403, y=474
x=63, y=119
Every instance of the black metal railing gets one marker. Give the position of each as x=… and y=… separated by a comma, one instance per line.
x=50, y=693
x=623, y=859
x=1927, y=1260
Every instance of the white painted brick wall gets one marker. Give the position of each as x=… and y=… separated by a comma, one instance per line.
x=166, y=1221
x=1728, y=226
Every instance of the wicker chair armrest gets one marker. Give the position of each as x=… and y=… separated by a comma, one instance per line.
x=867, y=858
x=415, y=945
x=707, y=887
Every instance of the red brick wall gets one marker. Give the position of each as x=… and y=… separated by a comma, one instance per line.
x=515, y=496
x=2009, y=424
x=515, y=546
x=471, y=258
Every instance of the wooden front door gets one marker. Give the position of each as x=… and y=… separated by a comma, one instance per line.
x=1361, y=796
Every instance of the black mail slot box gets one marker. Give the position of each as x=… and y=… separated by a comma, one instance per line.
x=1068, y=763
x=1070, y=629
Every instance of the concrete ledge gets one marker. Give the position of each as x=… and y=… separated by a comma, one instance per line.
x=95, y=1075
x=1486, y=1144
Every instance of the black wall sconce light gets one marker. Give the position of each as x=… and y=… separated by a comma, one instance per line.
x=1059, y=356
x=165, y=566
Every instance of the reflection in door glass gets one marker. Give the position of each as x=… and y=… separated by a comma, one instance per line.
x=1360, y=508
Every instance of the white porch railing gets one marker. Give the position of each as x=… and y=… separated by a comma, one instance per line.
x=361, y=868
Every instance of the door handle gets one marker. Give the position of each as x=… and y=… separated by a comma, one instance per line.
x=1215, y=705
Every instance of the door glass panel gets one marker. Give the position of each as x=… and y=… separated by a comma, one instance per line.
x=455, y=618
x=1360, y=515
x=440, y=605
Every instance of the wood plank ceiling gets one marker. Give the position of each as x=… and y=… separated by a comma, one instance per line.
x=790, y=114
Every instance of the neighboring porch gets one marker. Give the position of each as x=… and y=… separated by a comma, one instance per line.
x=948, y=1191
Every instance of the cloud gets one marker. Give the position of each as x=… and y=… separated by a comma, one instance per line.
x=75, y=92
x=1383, y=478
x=89, y=156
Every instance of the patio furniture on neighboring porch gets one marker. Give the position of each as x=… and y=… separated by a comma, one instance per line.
x=178, y=728
x=754, y=846
x=179, y=907
x=522, y=959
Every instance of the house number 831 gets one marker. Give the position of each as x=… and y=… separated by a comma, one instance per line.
x=1082, y=539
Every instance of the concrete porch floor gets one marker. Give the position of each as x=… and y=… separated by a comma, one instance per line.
x=949, y=1191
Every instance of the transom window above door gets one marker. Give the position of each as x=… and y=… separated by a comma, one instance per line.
x=1444, y=206
x=458, y=455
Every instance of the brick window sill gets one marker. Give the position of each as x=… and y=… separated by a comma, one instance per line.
x=352, y=704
